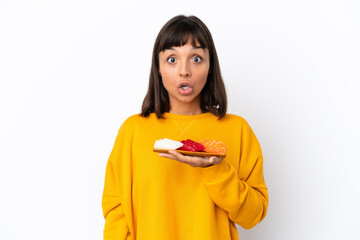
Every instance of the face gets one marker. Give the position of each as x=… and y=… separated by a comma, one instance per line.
x=184, y=72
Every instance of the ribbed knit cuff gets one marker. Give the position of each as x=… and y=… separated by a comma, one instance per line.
x=215, y=171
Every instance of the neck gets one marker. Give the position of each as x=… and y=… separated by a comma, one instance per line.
x=186, y=111
x=185, y=108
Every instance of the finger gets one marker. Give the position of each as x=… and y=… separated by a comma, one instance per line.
x=188, y=159
x=173, y=152
x=167, y=155
x=215, y=160
x=191, y=160
x=177, y=155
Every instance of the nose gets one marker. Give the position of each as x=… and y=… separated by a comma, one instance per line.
x=184, y=69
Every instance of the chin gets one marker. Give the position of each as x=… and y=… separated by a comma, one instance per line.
x=187, y=99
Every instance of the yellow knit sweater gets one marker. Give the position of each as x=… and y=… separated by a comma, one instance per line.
x=150, y=197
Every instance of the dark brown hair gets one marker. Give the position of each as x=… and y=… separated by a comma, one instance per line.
x=175, y=33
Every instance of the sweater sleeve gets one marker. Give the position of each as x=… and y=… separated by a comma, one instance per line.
x=241, y=192
x=116, y=226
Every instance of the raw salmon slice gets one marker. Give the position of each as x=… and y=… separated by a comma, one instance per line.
x=213, y=146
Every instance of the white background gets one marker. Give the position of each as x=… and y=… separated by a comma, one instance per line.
x=72, y=71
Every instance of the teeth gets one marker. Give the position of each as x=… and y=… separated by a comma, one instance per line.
x=185, y=86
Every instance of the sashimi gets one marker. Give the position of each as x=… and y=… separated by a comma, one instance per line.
x=213, y=146
x=167, y=144
x=190, y=145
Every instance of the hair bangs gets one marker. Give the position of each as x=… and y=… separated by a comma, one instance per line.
x=181, y=33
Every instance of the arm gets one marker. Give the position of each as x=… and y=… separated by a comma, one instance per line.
x=115, y=222
x=116, y=226
x=242, y=193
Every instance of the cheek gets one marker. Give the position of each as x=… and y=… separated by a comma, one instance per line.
x=202, y=75
x=166, y=78
x=166, y=71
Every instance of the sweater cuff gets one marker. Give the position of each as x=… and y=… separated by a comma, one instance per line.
x=215, y=171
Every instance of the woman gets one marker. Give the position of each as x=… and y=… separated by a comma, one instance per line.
x=150, y=195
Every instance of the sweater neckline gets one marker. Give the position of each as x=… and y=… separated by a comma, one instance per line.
x=186, y=117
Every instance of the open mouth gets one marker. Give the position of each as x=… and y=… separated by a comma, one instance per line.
x=185, y=86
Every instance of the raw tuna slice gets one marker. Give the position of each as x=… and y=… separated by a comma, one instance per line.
x=190, y=145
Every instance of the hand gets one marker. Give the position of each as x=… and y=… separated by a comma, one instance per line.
x=193, y=161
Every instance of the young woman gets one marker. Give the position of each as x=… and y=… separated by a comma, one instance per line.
x=170, y=196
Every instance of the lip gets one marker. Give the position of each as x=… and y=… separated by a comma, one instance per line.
x=187, y=91
x=184, y=82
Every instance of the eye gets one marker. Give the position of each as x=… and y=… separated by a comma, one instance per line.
x=197, y=59
x=171, y=60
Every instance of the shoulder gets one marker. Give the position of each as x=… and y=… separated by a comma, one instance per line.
x=236, y=123
x=243, y=126
x=230, y=123
x=136, y=120
x=133, y=119
x=234, y=119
